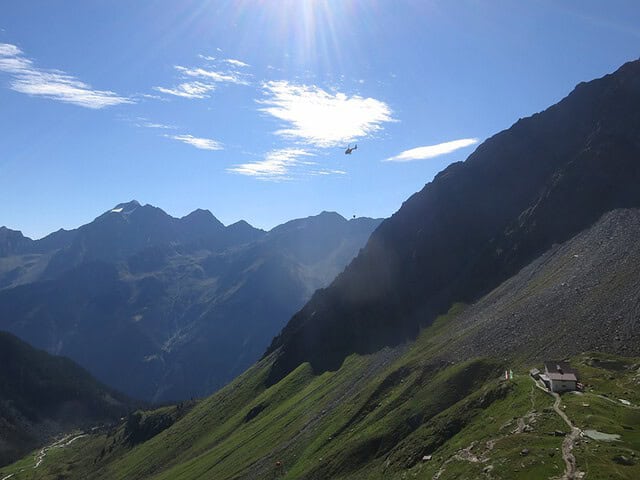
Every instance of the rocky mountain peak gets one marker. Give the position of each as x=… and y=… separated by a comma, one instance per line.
x=126, y=207
x=203, y=219
x=12, y=241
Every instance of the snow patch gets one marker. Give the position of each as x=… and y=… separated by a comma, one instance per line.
x=117, y=210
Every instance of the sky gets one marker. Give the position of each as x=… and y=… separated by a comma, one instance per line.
x=246, y=107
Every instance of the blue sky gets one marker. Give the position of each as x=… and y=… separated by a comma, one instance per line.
x=245, y=107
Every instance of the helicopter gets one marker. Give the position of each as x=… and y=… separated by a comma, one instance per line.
x=350, y=149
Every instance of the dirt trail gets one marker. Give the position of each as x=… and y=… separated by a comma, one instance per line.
x=39, y=458
x=570, y=472
x=568, y=442
x=63, y=442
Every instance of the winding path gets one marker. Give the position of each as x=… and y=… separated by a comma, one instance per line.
x=39, y=458
x=569, y=440
x=63, y=442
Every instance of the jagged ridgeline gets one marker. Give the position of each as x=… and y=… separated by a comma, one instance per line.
x=477, y=223
x=525, y=252
x=183, y=305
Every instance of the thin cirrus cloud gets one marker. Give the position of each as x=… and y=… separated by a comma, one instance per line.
x=328, y=171
x=236, y=63
x=188, y=90
x=197, y=142
x=278, y=165
x=199, y=82
x=144, y=122
x=219, y=77
x=432, y=151
x=315, y=116
x=52, y=84
x=160, y=126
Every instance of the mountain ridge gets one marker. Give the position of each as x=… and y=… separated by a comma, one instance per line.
x=455, y=239
x=51, y=240
x=186, y=303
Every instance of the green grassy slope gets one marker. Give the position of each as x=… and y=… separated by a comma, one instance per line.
x=399, y=413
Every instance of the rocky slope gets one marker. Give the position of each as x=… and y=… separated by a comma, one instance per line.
x=579, y=296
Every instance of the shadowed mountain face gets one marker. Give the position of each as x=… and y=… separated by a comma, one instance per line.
x=12, y=241
x=42, y=396
x=181, y=305
x=538, y=183
x=129, y=228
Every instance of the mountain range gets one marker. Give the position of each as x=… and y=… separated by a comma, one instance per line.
x=182, y=305
x=525, y=252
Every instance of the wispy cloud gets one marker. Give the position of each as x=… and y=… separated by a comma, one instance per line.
x=160, y=126
x=321, y=118
x=146, y=123
x=198, y=142
x=432, y=151
x=219, y=77
x=8, y=50
x=236, y=63
x=52, y=84
x=188, y=90
x=326, y=172
x=199, y=82
x=278, y=165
